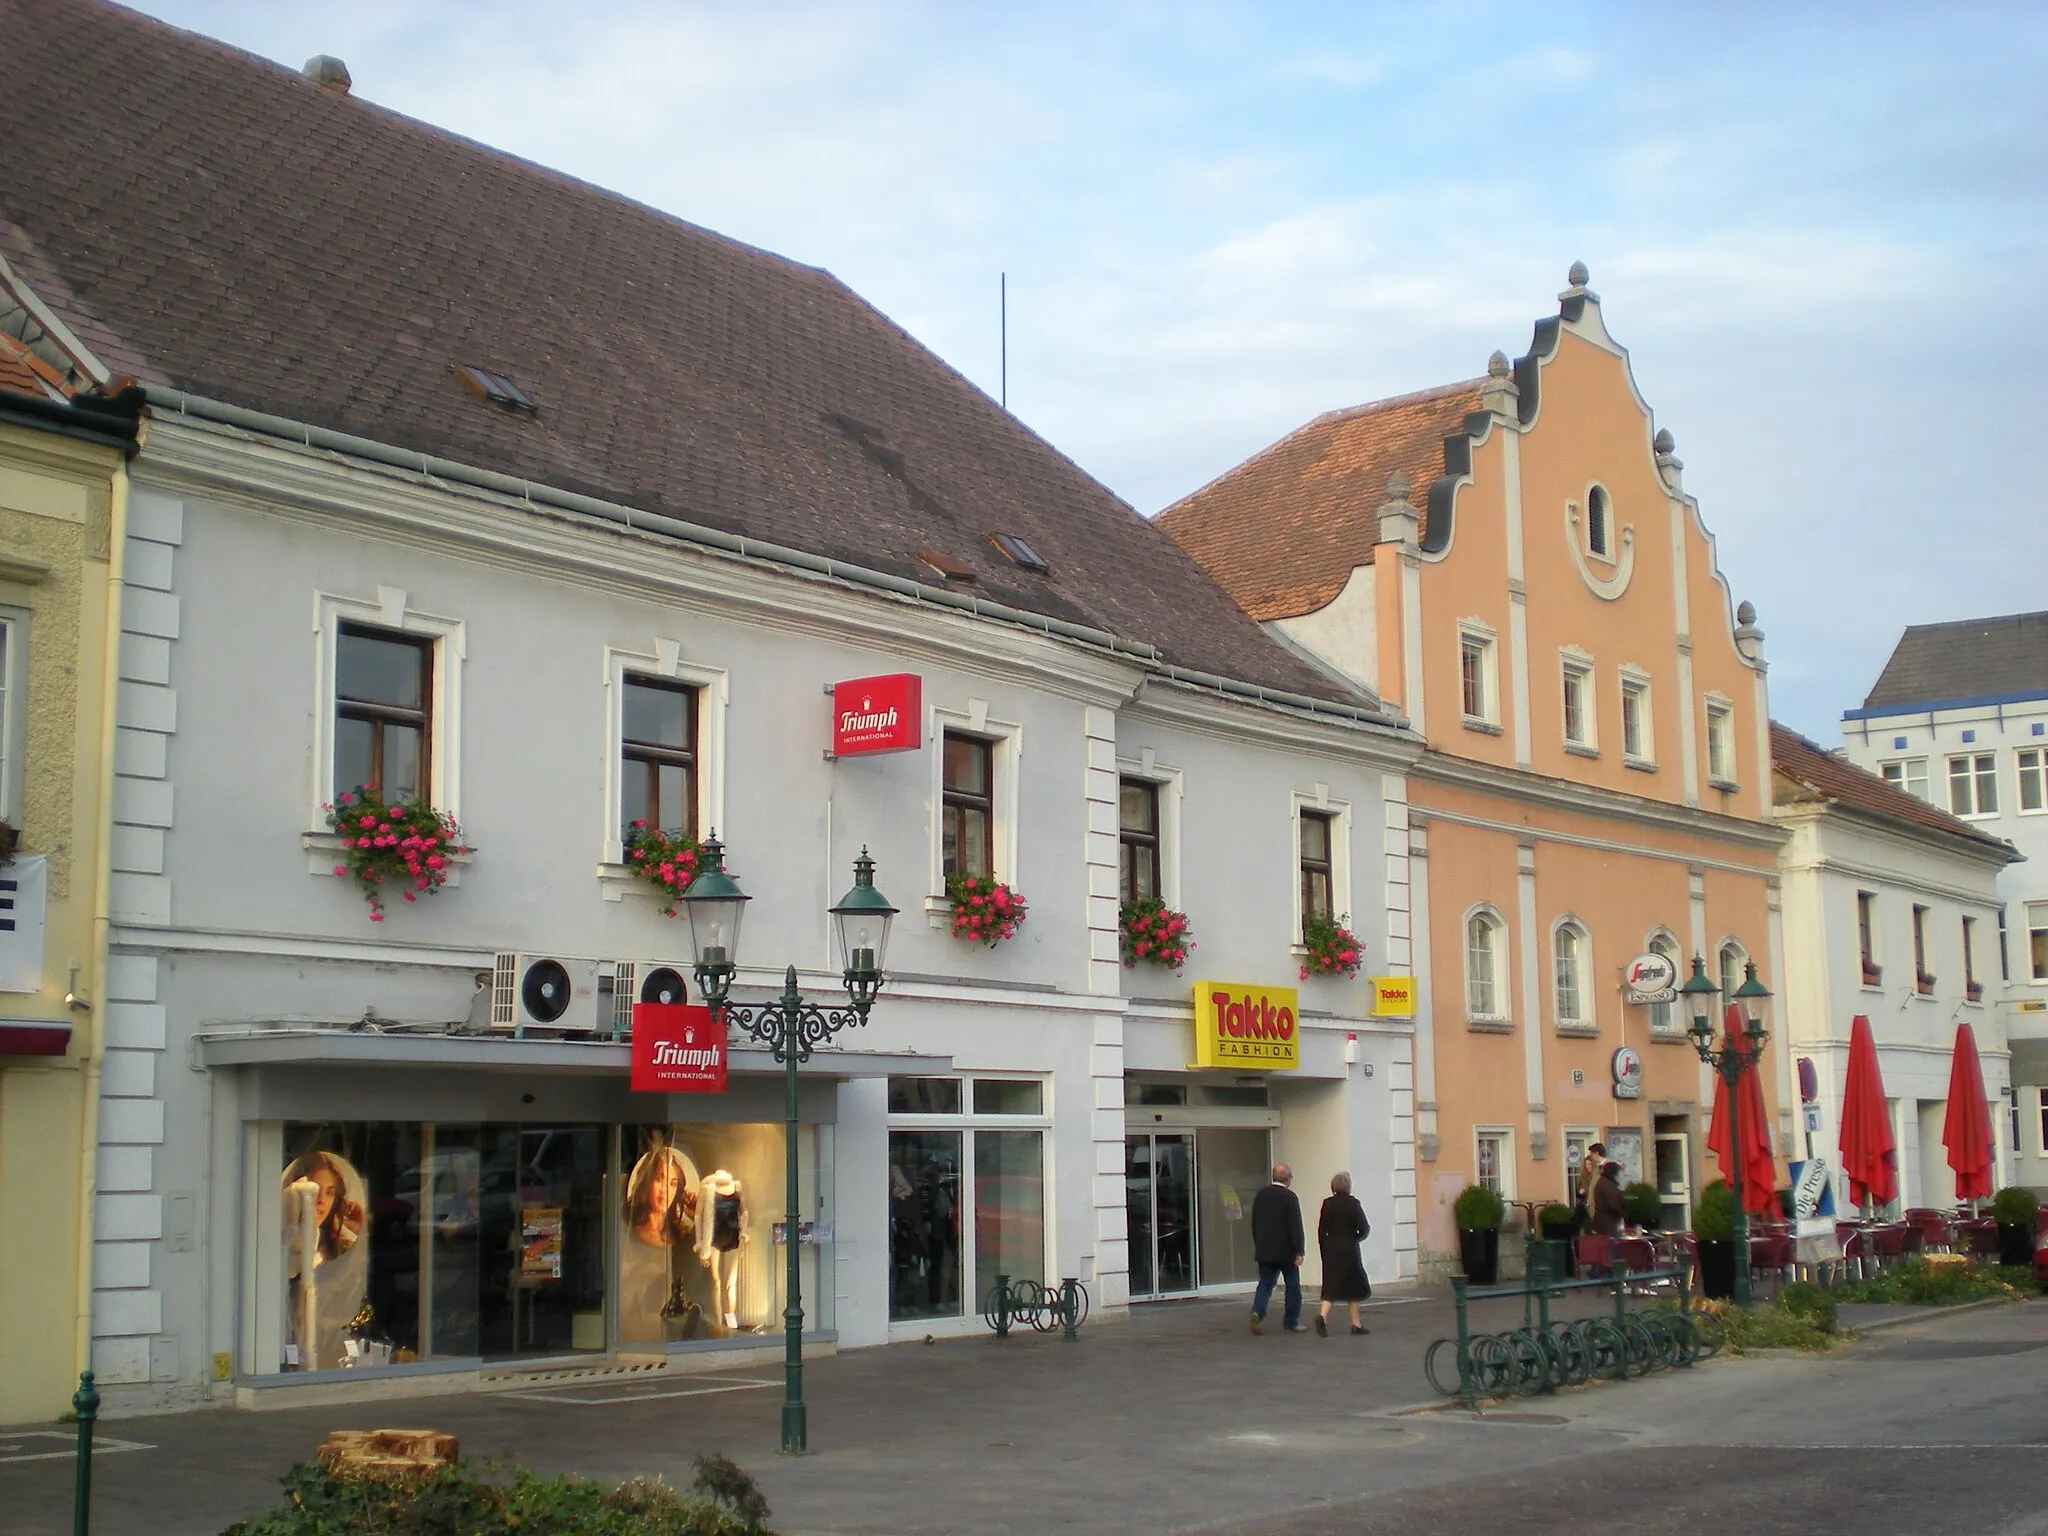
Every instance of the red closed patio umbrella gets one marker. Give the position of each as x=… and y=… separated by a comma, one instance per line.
x=1869, y=1155
x=1966, y=1128
x=1756, y=1183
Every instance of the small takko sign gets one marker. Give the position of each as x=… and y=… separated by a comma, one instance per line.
x=1393, y=997
x=878, y=714
x=1239, y=1025
x=677, y=1048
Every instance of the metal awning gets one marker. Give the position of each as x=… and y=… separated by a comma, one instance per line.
x=34, y=1037
x=294, y=1046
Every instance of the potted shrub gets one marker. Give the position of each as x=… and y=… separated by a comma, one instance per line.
x=1642, y=1205
x=1556, y=1227
x=1478, y=1212
x=2014, y=1210
x=1713, y=1225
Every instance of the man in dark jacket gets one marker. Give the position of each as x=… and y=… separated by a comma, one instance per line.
x=1608, y=1209
x=1277, y=1245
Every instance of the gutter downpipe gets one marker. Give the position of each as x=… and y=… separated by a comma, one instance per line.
x=102, y=899
x=427, y=466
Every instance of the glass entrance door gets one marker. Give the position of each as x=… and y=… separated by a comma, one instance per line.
x=1674, y=1172
x=1159, y=1202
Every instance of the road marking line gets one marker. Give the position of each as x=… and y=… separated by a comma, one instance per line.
x=11, y=1445
x=562, y=1395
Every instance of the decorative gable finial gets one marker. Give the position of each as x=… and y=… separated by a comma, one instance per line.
x=1578, y=276
x=1497, y=365
x=1400, y=523
x=1749, y=640
x=1669, y=464
x=1398, y=485
x=1663, y=442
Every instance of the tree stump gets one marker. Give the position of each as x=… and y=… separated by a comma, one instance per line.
x=385, y=1455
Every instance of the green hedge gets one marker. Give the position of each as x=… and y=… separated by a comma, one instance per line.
x=505, y=1500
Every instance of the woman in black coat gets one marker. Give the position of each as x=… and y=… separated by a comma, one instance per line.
x=1339, y=1230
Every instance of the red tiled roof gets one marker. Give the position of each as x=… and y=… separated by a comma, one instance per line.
x=207, y=220
x=23, y=373
x=1283, y=531
x=1807, y=771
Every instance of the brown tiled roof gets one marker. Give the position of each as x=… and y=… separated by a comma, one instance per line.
x=1992, y=658
x=1283, y=531
x=1806, y=771
x=209, y=221
x=23, y=373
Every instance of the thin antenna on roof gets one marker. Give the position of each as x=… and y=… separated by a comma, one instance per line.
x=1003, y=324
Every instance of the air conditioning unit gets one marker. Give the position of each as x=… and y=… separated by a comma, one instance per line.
x=642, y=981
x=544, y=992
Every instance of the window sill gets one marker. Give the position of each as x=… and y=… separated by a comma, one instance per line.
x=323, y=852
x=1578, y=1031
x=1640, y=764
x=938, y=910
x=1726, y=786
x=1483, y=727
x=1491, y=1026
x=1671, y=1036
x=618, y=881
x=1580, y=749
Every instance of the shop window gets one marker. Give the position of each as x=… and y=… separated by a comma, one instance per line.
x=1866, y=937
x=2031, y=769
x=1923, y=978
x=658, y=754
x=1908, y=774
x=1569, y=945
x=1318, y=864
x=2041, y=1099
x=1493, y=1161
x=701, y=1228
x=383, y=712
x=924, y=1096
x=1485, y=952
x=1138, y=851
x=1153, y=1095
x=1721, y=744
x=2037, y=941
x=968, y=806
x=951, y=1235
x=1973, y=784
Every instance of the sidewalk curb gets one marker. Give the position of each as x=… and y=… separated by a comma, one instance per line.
x=1926, y=1314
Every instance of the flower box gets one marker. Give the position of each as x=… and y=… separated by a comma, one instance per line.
x=407, y=845
x=667, y=861
x=1330, y=949
x=984, y=909
x=1151, y=932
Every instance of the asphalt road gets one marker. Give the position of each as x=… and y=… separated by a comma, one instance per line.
x=1181, y=1422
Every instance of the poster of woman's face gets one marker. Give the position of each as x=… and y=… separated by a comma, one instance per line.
x=326, y=1261
x=661, y=1197
x=338, y=1206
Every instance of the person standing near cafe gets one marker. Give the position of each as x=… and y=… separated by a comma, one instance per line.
x=1589, y=1175
x=1278, y=1246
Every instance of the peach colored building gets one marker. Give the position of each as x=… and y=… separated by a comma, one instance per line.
x=1513, y=561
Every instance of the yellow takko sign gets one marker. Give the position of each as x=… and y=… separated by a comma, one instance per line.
x=1239, y=1025
x=1393, y=997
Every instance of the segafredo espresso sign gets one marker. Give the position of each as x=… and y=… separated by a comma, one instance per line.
x=878, y=714
x=1239, y=1025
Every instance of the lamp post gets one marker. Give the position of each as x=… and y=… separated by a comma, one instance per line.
x=1729, y=1061
x=789, y=1027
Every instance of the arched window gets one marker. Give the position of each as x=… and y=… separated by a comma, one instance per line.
x=1663, y=944
x=1484, y=955
x=1599, y=523
x=1568, y=973
x=1732, y=958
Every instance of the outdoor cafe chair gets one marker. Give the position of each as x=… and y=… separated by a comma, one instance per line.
x=1979, y=1239
x=1933, y=1228
x=1593, y=1255
x=1772, y=1256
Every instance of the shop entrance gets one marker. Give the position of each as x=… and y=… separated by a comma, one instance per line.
x=1187, y=1201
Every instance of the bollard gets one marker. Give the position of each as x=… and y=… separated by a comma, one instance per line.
x=1466, y=1392
x=86, y=1404
x=1002, y=1301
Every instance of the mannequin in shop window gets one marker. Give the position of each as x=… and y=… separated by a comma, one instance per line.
x=661, y=1207
x=721, y=1233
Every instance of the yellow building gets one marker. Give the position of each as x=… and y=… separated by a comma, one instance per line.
x=62, y=481
x=1513, y=562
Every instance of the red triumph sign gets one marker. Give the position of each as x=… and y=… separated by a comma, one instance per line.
x=878, y=714
x=677, y=1048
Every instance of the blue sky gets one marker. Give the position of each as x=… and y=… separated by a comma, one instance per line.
x=1820, y=229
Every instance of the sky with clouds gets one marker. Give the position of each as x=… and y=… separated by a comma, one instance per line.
x=1820, y=229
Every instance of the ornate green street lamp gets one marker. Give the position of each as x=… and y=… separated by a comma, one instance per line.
x=789, y=1027
x=1729, y=1062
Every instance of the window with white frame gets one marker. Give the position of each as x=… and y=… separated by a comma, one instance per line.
x=1973, y=784
x=1485, y=965
x=1478, y=684
x=967, y=1191
x=1493, y=1160
x=1569, y=958
x=1662, y=943
x=1636, y=744
x=1576, y=673
x=975, y=796
x=1721, y=742
x=1866, y=937
x=1907, y=773
x=1139, y=873
x=2041, y=1123
x=1322, y=831
x=1599, y=523
x=1732, y=960
x=13, y=708
x=2030, y=766
x=1973, y=989
x=1923, y=977
x=665, y=755
x=2037, y=941
x=390, y=680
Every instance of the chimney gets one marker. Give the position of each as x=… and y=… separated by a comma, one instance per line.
x=329, y=73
